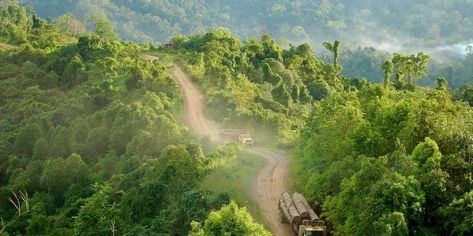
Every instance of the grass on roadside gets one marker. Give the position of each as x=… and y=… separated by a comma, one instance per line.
x=235, y=179
x=4, y=46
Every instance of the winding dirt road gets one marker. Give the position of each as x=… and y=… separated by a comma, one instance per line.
x=270, y=181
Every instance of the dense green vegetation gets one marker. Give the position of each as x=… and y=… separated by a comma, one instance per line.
x=256, y=83
x=391, y=158
x=387, y=161
x=90, y=143
x=229, y=220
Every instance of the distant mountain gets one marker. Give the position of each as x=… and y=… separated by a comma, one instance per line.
x=388, y=25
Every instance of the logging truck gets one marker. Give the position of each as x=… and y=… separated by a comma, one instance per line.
x=297, y=212
x=237, y=136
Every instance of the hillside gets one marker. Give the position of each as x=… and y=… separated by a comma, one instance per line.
x=386, y=24
x=91, y=142
x=390, y=159
x=101, y=136
x=439, y=28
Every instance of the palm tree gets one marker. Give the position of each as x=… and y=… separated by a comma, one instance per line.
x=334, y=49
x=410, y=67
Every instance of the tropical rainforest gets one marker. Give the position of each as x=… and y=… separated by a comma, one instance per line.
x=427, y=22
x=91, y=142
x=380, y=159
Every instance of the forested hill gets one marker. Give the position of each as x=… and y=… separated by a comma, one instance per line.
x=378, y=159
x=90, y=143
x=368, y=22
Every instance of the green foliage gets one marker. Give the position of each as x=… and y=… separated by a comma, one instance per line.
x=257, y=84
x=409, y=67
x=442, y=83
x=102, y=28
x=230, y=220
x=334, y=49
x=459, y=215
x=89, y=131
x=281, y=95
x=388, y=68
x=58, y=174
x=383, y=161
x=98, y=214
x=26, y=139
x=465, y=93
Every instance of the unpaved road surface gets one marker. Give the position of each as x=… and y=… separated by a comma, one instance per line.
x=194, y=107
x=268, y=184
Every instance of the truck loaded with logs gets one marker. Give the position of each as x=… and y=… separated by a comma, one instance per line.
x=236, y=136
x=297, y=212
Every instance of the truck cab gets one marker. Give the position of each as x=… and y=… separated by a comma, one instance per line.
x=246, y=139
x=306, y=229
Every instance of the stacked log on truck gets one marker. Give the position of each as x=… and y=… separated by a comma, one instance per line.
x=297, y=212
x=314, y=218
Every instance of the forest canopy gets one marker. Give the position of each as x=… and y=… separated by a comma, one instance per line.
x=91, y=142
x=361, y=22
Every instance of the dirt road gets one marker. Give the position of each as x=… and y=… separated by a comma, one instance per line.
x=194, y=107
x=268, y=186
x=270, y=181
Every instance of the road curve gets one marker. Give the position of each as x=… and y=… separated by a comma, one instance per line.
x=267, y=187
x=268, y=184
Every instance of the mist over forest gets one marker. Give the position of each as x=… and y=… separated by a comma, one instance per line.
x=440, y=27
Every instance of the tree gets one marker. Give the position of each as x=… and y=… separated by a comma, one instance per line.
x=465, y=94
x=74, y=71
x=281, y=95
x=97, y=143
x=270, y=76
x=391, y=224
x=68, y=23
x=271, y=49
x=41, y=150
x=26, y=139
x=99, y=215
x=320, y=89
x=442, y=83
x=103, y=28
x=60, y=142
x=459, y=215
x=232, y=220
x=410, y=67
x=388, y=68
x=334, y=49
x=59, y=174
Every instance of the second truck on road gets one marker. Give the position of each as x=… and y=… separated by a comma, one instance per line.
x=237, y=136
